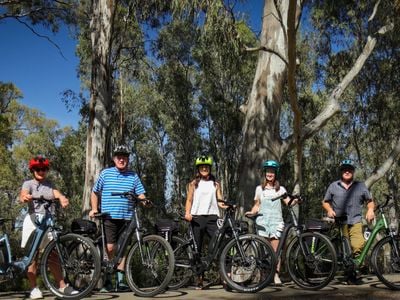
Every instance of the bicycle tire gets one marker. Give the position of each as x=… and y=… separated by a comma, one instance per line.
x=81, y=268
x=150, y=277
x=253, y=272
x=386, y=262
x=183, y=256
x=319, y=267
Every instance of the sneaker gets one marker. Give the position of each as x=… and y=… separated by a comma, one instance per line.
x=122, y=287
x=277, y=280
x=107, y=287
x=36, y=294
x=68, y=290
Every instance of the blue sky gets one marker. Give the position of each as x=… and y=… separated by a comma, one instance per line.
x=37, y=68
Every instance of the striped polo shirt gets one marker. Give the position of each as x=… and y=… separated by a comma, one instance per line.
x=111, y=180
x=349, y=201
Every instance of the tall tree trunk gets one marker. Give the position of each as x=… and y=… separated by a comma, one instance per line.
x=261, y=135
x=98, y=135
x=261, y=130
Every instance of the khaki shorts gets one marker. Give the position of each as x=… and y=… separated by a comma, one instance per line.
x=27, y=230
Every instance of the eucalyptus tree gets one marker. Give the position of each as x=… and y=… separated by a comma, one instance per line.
x=112, y=27
x=276, y=66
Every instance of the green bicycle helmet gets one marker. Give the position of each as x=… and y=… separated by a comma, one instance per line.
x=271, y=164
x=204, y=160
x=347, y=164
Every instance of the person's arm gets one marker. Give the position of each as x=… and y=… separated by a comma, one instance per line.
x=94, y=204
x=255, y=208
x=63, y=200
x=25, y=196
x=189, y=202
x=328, y=208
x=370, y=215
x=220, y=196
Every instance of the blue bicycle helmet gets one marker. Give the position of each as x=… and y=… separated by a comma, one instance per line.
x=271, y=164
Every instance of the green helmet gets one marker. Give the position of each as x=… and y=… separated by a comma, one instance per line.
x=204, y=160
x=347, y=164
x=271, y=164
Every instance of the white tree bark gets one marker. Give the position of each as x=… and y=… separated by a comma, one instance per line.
x=261, y=133
x=100, y=94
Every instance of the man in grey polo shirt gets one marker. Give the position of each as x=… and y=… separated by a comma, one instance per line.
x=347, y=197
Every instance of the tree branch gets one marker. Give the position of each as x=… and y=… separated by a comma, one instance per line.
x=381, y=171
x=41, y=36
x=263, y=48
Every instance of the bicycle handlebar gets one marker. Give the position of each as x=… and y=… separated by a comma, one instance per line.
x=227, y=203
x=43, y=199
x=292, y=198
x=132, y=197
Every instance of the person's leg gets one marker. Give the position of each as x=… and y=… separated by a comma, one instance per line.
x=274, y=243
x=198, y=225
x=356, y=238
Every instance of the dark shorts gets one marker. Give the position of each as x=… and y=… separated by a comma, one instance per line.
x=113, y=229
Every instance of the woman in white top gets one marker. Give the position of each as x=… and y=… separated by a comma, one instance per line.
x=201, y=208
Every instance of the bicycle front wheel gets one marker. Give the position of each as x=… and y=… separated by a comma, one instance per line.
x=247, y=265
x=311, y=260
x=386, y=261
x=183, y=258
x=72, y=260
x=150, y=266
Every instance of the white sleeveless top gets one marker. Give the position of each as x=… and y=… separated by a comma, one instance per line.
x=205, y=199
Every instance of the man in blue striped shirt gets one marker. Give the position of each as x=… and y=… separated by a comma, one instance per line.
x=117, y=179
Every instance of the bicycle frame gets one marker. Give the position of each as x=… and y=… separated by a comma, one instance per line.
x=380, y=225
x=123, y=240
x=216, y=241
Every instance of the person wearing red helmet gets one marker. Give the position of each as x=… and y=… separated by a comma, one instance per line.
x=39, y=186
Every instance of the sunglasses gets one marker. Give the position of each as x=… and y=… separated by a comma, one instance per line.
x=40, y=169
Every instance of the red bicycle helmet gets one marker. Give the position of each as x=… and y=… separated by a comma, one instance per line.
x=39, y=162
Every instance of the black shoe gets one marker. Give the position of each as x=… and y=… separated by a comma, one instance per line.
x=353, y=280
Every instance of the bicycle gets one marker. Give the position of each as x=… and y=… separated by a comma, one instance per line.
x=310, y=257
x=246, y=261
x=385, y=255
x=74, y=255
x=150, y=260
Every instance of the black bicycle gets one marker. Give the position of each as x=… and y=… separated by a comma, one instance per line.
x=69, y=257
x=150, y=260
x=246, y=261
x=310, y=257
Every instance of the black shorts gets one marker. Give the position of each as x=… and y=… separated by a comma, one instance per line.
x=113, y=228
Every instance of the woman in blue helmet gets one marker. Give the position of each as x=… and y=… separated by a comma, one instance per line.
x=271, y=220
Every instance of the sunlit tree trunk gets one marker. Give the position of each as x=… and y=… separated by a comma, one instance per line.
x=100, y=94
x=261, y=131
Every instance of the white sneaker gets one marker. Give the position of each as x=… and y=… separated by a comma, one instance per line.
x=36, y=294
x=277, y=280
x=68, y=290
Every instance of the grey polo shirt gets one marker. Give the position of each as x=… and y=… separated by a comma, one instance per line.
x=38, y=189
x=349, y=201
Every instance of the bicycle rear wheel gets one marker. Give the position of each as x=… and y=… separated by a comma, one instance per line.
x=249, y=265
x=386, y=261
x=311, y=260
x=150, y=267
x=74, y=259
